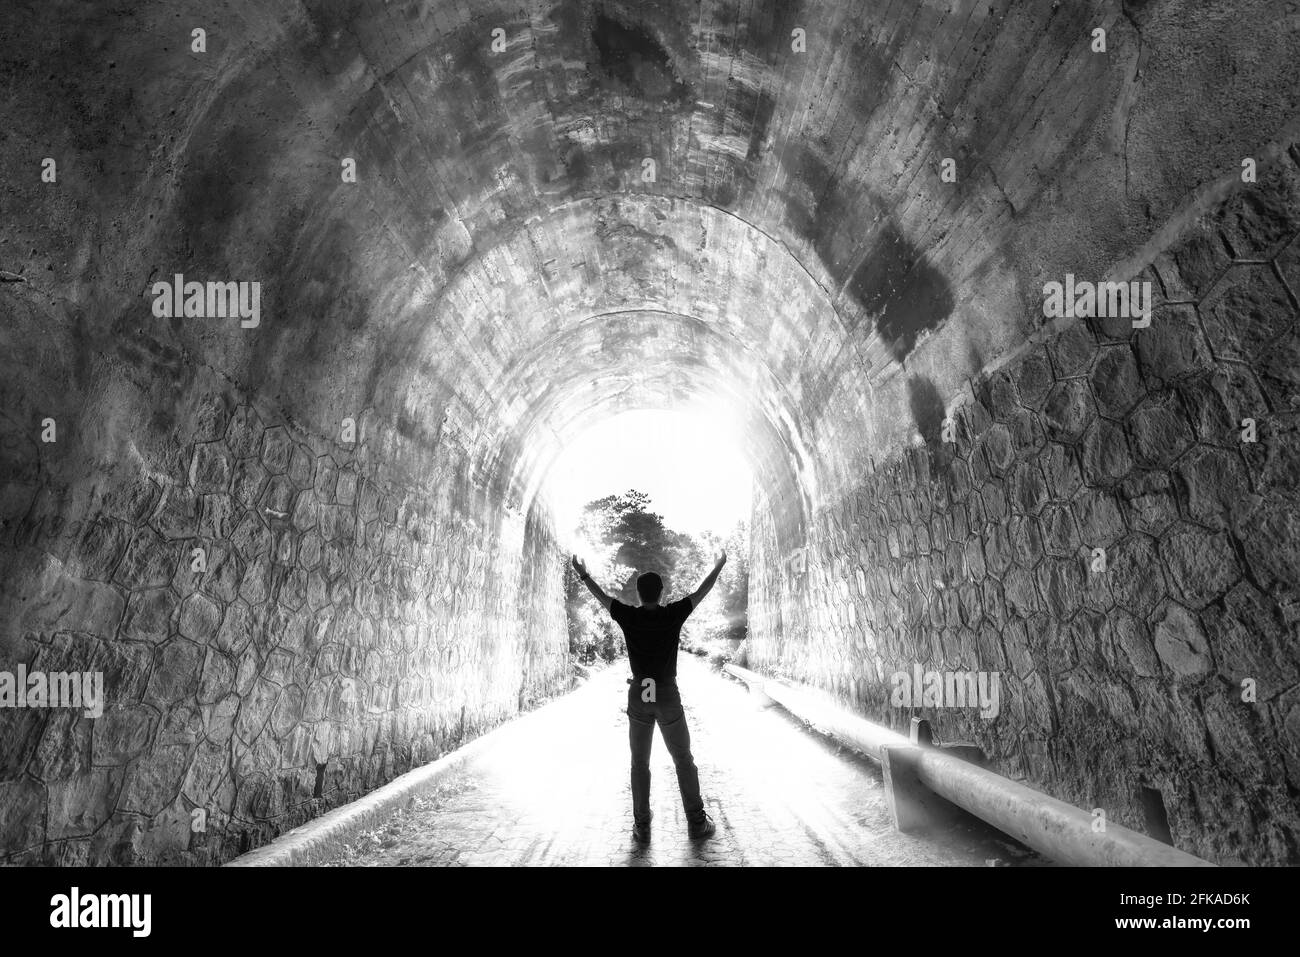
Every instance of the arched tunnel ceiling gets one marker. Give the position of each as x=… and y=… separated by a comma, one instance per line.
x=502, y=267
x=611, y=305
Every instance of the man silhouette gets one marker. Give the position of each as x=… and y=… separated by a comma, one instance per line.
x=652, y=632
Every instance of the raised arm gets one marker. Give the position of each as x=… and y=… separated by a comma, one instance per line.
x=709, y=579
x=580, y=567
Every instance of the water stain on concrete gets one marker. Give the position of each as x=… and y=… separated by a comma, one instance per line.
x=906, y=294
x=631, y=60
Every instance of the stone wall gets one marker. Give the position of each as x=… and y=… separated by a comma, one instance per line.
x=349, y=622
x=978, y=554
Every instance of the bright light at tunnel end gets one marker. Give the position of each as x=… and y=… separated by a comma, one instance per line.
x=691, y=461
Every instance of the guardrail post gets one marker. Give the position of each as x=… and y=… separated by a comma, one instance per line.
x=920, y=733
x=912, y=805
x=922, y=736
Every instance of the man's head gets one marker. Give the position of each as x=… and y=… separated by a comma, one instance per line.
x=649, y=586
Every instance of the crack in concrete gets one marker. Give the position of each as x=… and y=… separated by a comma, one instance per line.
x=1006, y=198
x=1129, y=95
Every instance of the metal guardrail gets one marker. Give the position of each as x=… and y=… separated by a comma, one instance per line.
x=1052, y=827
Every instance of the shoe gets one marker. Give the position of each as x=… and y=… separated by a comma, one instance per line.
x=702, y=828
x=641, y=833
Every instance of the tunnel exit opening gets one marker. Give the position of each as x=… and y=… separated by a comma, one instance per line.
x=660, y=491
x=692, y=462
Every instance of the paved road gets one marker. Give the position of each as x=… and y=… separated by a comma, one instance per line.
x=554, y=791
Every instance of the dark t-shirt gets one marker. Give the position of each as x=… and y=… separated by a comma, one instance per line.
x=652, y=635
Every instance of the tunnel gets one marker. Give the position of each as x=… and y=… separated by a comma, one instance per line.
x=303, y=299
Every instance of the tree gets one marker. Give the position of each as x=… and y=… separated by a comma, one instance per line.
x=632, y=540
x=629, y=538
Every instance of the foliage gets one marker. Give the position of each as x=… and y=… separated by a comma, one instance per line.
x=626, y=538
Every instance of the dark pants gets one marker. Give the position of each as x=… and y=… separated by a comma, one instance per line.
x=666, y=709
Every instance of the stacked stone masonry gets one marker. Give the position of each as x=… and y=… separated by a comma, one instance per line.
x=342, y=631
x=978, y=555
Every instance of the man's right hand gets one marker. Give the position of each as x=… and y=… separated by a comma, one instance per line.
x=721, y=559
